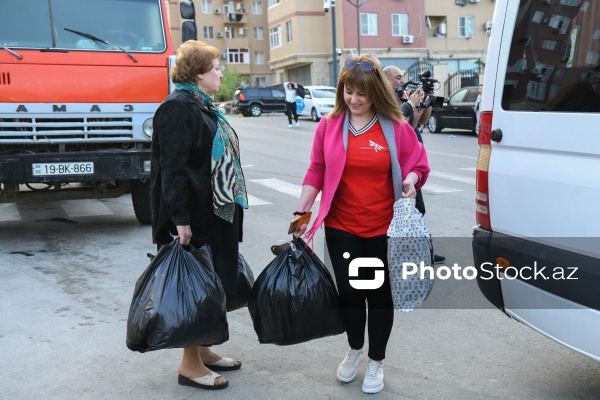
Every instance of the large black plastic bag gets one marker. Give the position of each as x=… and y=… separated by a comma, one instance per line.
x=245, y=281
x=294, y=299
x=178, y=301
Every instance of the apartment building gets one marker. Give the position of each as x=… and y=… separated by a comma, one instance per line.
x=272, y=41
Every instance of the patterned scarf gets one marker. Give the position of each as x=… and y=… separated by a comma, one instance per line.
x=228, y=182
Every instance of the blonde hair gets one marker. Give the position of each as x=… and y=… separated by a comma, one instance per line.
x=374, y=84
x=193, y=57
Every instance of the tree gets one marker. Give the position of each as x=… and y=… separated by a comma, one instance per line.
x=229, y=83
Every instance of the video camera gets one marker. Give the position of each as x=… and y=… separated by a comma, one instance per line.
x=428, y=84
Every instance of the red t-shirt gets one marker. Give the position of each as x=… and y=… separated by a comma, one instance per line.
x=363, y=203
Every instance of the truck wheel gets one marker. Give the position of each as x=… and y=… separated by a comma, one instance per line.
x=140, y=196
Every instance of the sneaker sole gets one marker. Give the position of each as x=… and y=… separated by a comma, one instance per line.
x=346, y=380
x=376, y=389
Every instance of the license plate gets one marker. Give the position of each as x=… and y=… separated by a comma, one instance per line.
x=68, y=168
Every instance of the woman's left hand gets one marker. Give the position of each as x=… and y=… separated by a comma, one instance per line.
x=408, y=189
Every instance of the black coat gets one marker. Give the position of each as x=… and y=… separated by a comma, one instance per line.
x=181, y=171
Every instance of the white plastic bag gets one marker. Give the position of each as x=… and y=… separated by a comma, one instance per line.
x=409, y=241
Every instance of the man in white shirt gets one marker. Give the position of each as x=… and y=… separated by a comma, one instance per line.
x=290, y=102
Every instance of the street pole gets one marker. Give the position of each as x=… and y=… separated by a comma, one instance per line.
x=335, y=73
x=357, y=6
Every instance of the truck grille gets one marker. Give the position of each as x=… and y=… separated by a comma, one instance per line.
x=66, y=129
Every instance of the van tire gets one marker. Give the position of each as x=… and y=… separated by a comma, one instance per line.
x=433, y=124
x=140, y=197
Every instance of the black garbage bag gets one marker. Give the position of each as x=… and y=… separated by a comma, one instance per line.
x=178, y=301
x=294, y=299
x=245, y=281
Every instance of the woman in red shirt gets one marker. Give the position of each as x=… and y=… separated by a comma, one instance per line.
x=364, y=157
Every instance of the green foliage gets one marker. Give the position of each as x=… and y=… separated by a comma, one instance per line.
x=230, y=82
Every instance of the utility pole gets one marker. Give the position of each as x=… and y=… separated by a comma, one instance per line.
x=330, y=4
x=357, y=4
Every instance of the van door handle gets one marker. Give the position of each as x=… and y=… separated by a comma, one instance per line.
x=496, y=135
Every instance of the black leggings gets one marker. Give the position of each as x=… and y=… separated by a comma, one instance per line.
x=380, y=304
x=290, y=109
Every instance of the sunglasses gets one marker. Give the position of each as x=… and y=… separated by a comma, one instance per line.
x=364, y=65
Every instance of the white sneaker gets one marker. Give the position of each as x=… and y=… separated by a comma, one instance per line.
x=373, y=382
x=297, y=123
x=347, y=370
x=290, y=125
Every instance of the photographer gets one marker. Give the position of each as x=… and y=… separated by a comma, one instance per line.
x=415, y=115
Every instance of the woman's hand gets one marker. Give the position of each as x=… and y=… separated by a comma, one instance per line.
x=300, y=230
x=184, y=232
x=408, y=185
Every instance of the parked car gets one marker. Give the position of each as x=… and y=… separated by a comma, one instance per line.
x=457, y=113
x=253, y=101
x=318, y=101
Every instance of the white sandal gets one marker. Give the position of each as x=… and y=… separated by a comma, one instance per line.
x=204, y=382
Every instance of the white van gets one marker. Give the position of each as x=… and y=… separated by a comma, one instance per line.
x=537, y=243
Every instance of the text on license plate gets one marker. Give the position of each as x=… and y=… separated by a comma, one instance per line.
x=67, y=168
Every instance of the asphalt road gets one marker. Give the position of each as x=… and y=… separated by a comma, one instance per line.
x=68, y=268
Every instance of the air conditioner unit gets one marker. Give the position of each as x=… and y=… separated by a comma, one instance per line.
x=239, y=6
x=242, y=31
x=217, y=11
x=488, y=25
x=220, y=34
x=407, y=39
x=223, y=56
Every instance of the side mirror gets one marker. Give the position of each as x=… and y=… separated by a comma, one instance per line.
x=187, y=10
x=189, y=30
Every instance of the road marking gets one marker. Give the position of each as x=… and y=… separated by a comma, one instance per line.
x=282, y=187
x=255, y=201
x=442, y=175
x=9, y=212
x=471, y=169
x=84, y=208
x=432, y=188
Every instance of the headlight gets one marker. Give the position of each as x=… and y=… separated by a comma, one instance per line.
x=147, y=128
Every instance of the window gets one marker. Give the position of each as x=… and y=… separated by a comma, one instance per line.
x=399, y=24
x=208, y=32
x=259, y=33
x=257, y=7
x=206, y=7
x=466, y=26
x=536, y=90
x=559, y=22
x=228, y=7
x=273, y=3
x=262, y=82
x=592, y=57
x=229, y=33
x=570, y=3
x=543, y=74
x=275, y=37
x=368, y=24
x=537, y=17
x=288, y=31
x=238, y=56
x=259, y=57
x=550, y=44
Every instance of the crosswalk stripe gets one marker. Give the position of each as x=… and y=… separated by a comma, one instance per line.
x=9, y=212
x=255, y=201
x=84, y=208
x=282, y=187
x=432, y=188
x=451, y=177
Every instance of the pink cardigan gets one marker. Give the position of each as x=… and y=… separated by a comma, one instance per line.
x=328, y=157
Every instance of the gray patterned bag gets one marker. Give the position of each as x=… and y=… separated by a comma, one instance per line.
x=409, y=241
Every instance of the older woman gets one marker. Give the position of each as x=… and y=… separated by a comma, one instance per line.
x=364, y=157
x=198, y=188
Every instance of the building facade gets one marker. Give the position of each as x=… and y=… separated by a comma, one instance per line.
x=272, y=41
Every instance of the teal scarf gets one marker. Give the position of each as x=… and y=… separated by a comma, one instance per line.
x=228, y=182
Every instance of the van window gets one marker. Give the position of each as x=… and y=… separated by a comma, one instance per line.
x=554, y=56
